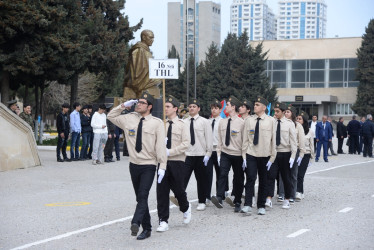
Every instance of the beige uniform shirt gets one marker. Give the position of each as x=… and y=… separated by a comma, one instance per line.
x=153, y=137
x=236, y=136
x=180, y=140
x=215, y=131
x=266, y=139
x=203, y=137
x=300, y=137
x=288, y=141
x=309, y=144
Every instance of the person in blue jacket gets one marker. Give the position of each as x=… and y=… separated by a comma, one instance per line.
x=323, y=136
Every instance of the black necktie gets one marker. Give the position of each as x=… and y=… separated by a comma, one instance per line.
x=168, y=144
x=257, y=131
x=214, y=121
x=278, y=138
x=192, y=132
x=138, y=145
x=227, y=141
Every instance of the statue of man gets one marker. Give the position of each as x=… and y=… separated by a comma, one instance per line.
x=137, y=69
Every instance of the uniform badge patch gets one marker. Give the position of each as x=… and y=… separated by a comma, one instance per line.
x=251, y=132
x=131, y=132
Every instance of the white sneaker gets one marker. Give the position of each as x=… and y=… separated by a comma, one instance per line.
x=163, y=227
x=286, y=204
x=246, y=210
x=268, y=203
x=302, y=196
x=174, y=200
x=201, y=207
x=298, y=196
x=187, y=215
x=94, y=162
x=208, y=202
x=261, y=211
x=254, y=203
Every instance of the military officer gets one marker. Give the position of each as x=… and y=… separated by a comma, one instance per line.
x=26, y=116
x=12, y=105
x=145, y=137
x=258, y=153
x=176, y=145
x=245, y=110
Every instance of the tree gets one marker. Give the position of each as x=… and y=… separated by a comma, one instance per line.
x=365, y=73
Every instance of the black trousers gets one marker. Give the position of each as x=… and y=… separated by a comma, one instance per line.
x=368, y=146
x=315, y=144
x=91, y=145
x=142, y=177
x=213, y=161
x=354, y=145
x=226, y=162
x=340, y=145
x=61, y=145
x=108, y=150
x=256, y=165
x=302, y=170
x=173, y=180
x=195, y=164
x=282, y=165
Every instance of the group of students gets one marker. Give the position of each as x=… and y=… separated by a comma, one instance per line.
x=274, y=148
x=99, y=135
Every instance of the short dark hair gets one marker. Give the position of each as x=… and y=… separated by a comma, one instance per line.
x=76, y=104
x=65, y=105
x=340, y=118
x=149, y=103
x=236, y=107
x=102, y=106
x=26, y=105
x=215, y=105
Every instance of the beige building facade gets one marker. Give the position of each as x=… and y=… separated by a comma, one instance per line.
x=315, y=75
x=193, y=26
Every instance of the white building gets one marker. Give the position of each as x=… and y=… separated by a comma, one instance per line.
x=301, y=19
x=254, y=16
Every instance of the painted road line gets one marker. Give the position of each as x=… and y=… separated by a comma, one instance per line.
x=345, y=210
x=346, y=165
x=65, y=235
x=68, y=204
x=297, y=233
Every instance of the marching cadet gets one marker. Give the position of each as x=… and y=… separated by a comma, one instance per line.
x=302, y=118
x=286, y=147
x=245, y=110
x=199, y=151
x=258, y=153
x=215, y=108
x=145, y=137
x=176, y=145
x=230, y=141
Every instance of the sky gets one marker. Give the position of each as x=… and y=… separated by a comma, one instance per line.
x=345, y=18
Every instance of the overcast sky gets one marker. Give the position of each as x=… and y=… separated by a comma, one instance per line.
x=345, y=18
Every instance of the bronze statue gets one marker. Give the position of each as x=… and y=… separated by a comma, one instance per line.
x=137, y=69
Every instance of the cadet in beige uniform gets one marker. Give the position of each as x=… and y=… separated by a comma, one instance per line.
x=286, y=147
x=258, y=153
x=176, y=145
x=145, y=137
x=308, y=156
x=199, y=151
x=229, y=147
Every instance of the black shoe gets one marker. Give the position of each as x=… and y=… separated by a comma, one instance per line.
x=237, y=208
x=106, y=160
x=217, y=201
x=334, y=154
x=118, y=159
x=364, y=156
x=144, y=235
x=67, y=159
x=75, y=159
x=134, y=229
x=90, y=157
x=111, y=160
x=316, y=160
x=60, y=160
x=326, y=160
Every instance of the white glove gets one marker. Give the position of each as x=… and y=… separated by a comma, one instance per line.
x=161, y=173
x=219, y=160
x=291, y=162
x=244, y=166
x=166, y=140
x=299, y=159
x=129, y=103
x=167, y=152
x=206, y=159
x=269, y=165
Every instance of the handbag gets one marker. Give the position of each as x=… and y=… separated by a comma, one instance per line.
x=348, y=142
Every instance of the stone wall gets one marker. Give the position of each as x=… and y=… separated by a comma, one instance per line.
x=17, y=143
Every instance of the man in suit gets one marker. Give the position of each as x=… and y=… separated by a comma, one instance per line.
x=354, y=128
x=341, y=131
x=323, y=137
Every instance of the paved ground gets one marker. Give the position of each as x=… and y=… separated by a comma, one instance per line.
x=337, y=212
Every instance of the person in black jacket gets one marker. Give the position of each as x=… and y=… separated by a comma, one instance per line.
x=108, y=150
x=63, y=127
x=367, y=135
x=90, y=111
x=341, y=131
x=353, y=129
x=86, y=132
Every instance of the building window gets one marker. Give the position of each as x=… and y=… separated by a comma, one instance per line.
x=341, y=109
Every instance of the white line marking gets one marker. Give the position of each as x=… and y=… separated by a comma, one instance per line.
x=297, y=233
x=61, y=236
x=345, y=210
x=346, y=165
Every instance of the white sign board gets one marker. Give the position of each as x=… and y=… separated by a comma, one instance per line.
x=163, y=68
